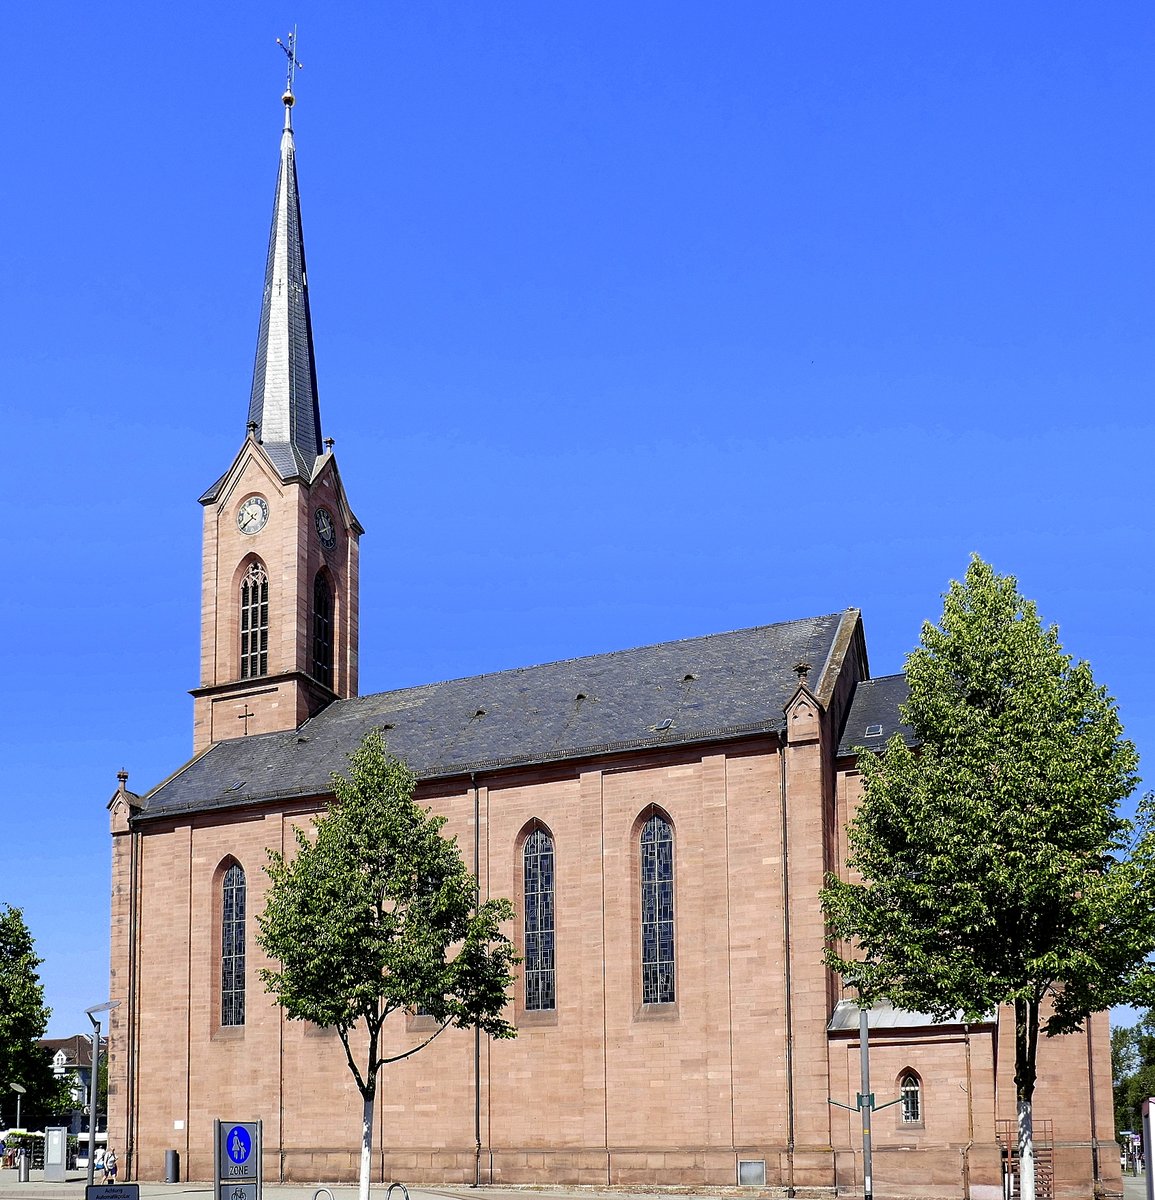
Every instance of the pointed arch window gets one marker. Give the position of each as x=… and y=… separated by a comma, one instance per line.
x=322, y=656
x=910, y=1095
x=537, y=865
x=255, y=622
x=233, y=946
x=657, y=850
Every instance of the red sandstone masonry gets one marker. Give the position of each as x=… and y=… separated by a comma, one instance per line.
x=602, y=1091
x=292, y=556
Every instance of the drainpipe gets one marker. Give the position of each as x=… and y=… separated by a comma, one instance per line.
x=1094, y=1120
x=788, y=977
x=476, y=1029
x=134, y=855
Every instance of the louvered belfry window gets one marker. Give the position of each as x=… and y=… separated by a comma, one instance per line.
x=657, y=845
x=233, y=947
x=322, y=668
x=254, y=622
x=537, y=856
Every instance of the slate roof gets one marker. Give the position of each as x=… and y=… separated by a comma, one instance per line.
x=701, y=689
x=873, y=717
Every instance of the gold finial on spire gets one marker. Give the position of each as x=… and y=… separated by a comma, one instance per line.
x=290, y=49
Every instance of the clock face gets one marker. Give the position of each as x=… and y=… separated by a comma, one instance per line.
x=326, y=530
x=252, y=514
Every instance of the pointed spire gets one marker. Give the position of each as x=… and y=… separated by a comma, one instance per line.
x=283, y=406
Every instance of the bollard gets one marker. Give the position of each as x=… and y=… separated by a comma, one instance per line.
x=22, y=1164
x=171, y=1166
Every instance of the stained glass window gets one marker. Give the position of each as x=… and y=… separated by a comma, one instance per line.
x=537, y=856
x=657, y=912
x=254, y=622
x=322, y=630
x=910, y=1091
x=233, y=947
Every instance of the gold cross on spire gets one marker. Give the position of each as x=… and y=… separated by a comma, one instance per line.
x=290, y=49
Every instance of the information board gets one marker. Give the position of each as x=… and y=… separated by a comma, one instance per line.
x=112, y=1191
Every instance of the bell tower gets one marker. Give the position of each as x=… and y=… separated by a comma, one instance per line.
x=279, y=603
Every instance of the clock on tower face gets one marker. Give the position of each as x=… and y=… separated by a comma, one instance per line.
x=252, y=514
x=326, y=530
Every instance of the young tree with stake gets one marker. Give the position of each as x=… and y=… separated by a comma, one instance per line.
x=376, y=913
x=994, y=866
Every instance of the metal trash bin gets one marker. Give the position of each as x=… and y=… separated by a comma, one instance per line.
x=172, y=1166
x=23, y=1163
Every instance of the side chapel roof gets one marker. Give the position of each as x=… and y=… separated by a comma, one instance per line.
x=874, y=717
x=701, y=689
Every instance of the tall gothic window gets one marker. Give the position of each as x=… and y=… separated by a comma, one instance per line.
x=910, y=1093
x=657, y=846
x=254, y=622
x=322, y=669
x=233, y=947
x=537, y=858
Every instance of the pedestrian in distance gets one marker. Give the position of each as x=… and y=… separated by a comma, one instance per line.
x=110, y=1165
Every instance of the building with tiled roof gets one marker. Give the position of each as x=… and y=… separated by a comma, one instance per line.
x=678, y=807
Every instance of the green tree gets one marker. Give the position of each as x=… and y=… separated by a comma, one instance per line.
x=1133, y=1069
x=23, y=1020
x=376, y=913
x=994, y=866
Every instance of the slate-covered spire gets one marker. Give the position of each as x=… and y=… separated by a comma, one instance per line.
x=283, y=407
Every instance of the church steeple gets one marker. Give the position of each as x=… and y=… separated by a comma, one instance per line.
x=283, y=407
x=279, y=611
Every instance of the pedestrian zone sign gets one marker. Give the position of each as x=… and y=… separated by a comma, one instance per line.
x=238, y=1160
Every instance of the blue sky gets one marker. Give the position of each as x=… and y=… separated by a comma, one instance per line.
x=633, y=322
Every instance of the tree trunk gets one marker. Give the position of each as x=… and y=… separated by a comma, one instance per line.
x=1026, y=1151
x=366, y=1146
x=1026, y=1046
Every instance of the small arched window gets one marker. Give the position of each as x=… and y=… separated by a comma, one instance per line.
x=254, y=622
x=537, y=860
x=233, y=946
x=322, y=658
x=910, y=1093
x=657, y=849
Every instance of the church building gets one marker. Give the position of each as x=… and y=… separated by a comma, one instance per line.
x=661, y=817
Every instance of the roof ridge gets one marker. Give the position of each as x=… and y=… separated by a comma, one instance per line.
x=604, y=654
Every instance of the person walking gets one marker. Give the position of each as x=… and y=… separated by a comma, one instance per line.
x=110, y=1165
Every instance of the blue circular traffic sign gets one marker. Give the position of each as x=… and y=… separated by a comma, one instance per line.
x=238, y=1144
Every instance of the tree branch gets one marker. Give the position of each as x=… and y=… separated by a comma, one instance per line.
x=398, y=1057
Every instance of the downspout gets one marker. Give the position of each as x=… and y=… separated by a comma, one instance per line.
x=1094, y=1121
x=130, y=1015
x=476, y=1029
x=786, y=966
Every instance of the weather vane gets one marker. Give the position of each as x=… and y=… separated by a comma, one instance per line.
x=290, y=49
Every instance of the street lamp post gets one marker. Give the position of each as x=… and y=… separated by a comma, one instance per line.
x=19, y=1089
x=96, y=1008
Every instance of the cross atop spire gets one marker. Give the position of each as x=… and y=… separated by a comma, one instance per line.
x=283, y=405
x=290, y=49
